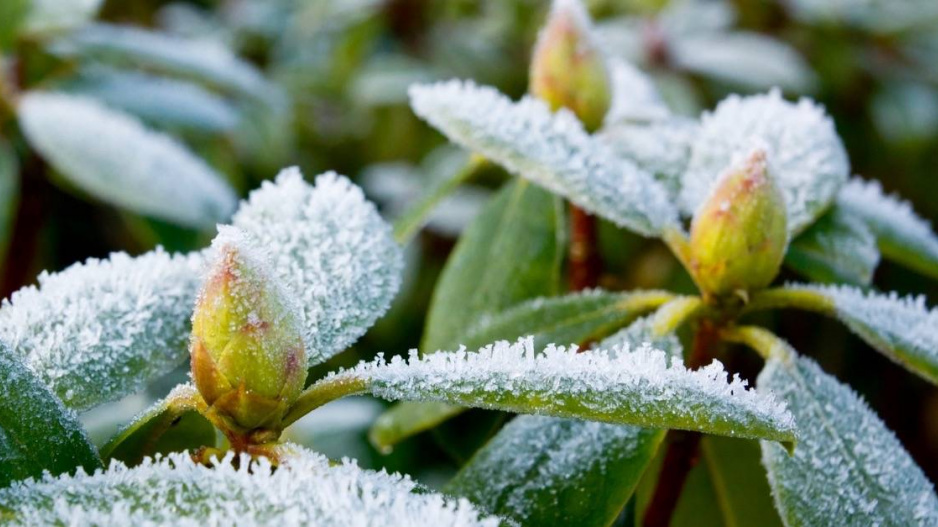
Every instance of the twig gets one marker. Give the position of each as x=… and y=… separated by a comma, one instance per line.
x=585, y=263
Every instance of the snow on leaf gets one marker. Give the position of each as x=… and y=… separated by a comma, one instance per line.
x=551, y=150
x=807, y=155
x=172, y=490
x=848, y=468
x=99, y=330
x=332, y=249
x=902, y=234
x=902, y=328
x=838, y=248
x=113, y=157
x=638, y=386
x=634, y=95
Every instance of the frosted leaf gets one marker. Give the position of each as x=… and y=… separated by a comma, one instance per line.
x=808, y=158
x=331, y=248
x=99, y=330
x=901, y=233
x=848, y=468
x=638, y=386
x=551, y=150
x=172, y=490
x=634, y=95
x=902, y=328
x=57, y=15
x=879, y=16
x=838, y=248
x=113, y=157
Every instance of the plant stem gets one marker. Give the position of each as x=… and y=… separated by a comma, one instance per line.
x=585, y=263
x=684, y=448
x=322, y=392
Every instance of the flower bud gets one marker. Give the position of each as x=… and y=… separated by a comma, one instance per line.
x=567, y=69
x=739, y=235
x=248, y=358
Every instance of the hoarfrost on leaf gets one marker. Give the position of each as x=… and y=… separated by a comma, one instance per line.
x=848, y=468
x=112, y=156
x=809, y=161
x=304, y=490
x=639, y=386
x=332, y=249
x=838, y=248
x=635, y=97
x=99, y=330
x=551, y=150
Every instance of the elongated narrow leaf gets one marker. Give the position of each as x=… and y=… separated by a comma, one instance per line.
x=848, y=468
x=902, y=235
x=99, y=330
x=622, y=386
x=332, y=249
x=304, y=490
x=838, y=248
x=806, y=155
x=37, y=433
x=552, y=150
x=903, y=329
x=113, y=157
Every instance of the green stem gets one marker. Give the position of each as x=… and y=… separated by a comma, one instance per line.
x=781, y=297
x=322, y=392
x=675, y=313
x=766, y=343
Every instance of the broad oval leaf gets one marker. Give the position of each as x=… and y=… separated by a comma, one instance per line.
x=838, y=248
x=551, y=150
x=806, y=155
x=111, y=156
x=848, y=468
x=902, y=235
x=623, y=386
x=331, y=247
x=305, y=489
x=99, y=330
x=37, y=432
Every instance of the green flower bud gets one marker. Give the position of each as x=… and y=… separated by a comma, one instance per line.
x=248, y=358
x=567, y=69
x=739, y=235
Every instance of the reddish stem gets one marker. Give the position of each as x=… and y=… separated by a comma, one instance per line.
x=585, y=264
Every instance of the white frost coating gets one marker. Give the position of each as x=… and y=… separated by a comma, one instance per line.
x=331, y=249
x=304, y=490
x=810, y=161
x=56, y=15
x=904, y=329
x=837, y=248
x=634, y=95
x=848, y=468
x=626, y=386
x=112, y=156
x=902, y=234
x=551, y=150
x=99, y=330
x=660, y=147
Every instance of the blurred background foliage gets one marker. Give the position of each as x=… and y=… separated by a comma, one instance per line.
x=252, y=86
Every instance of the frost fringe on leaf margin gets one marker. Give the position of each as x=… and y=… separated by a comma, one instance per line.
x=304, y=490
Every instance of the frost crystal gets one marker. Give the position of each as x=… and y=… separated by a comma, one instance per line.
x=112, y=156
x=304, y=490
x=626, y=386
x=634, y=96
x=331, y=249
x=551, y=150
x=809, y=160
x=101, y=329
x=848, y=468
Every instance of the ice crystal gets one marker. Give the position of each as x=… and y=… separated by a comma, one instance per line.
x=303, y=490
x=848, y=468
x=634, y=96
x=551, y=150
x=112, y=156
x=809, y=160
x=99, y=330
x=331, y=249
x=626, y=386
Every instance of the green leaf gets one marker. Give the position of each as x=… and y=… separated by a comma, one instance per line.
x=902, y=235
x=9, y=191
x=49, y=16
x=37, y=432
x=406, y=226
x=838, y=248
x=113, y=157
x=12, y=15
x=848, y=468
x=171, y=425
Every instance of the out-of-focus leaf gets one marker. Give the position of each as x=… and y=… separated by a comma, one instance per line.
x=906, y=112
x=12, y=15
x=635, y=98
x=9, y=192
x=848, y=468
x=37, y=433
x=48, y=16
x=879, y=16
x=112, y=156
x=661, y=147
x=838, y=248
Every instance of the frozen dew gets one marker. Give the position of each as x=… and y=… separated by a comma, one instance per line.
x=304, y=490
x=551, y=150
